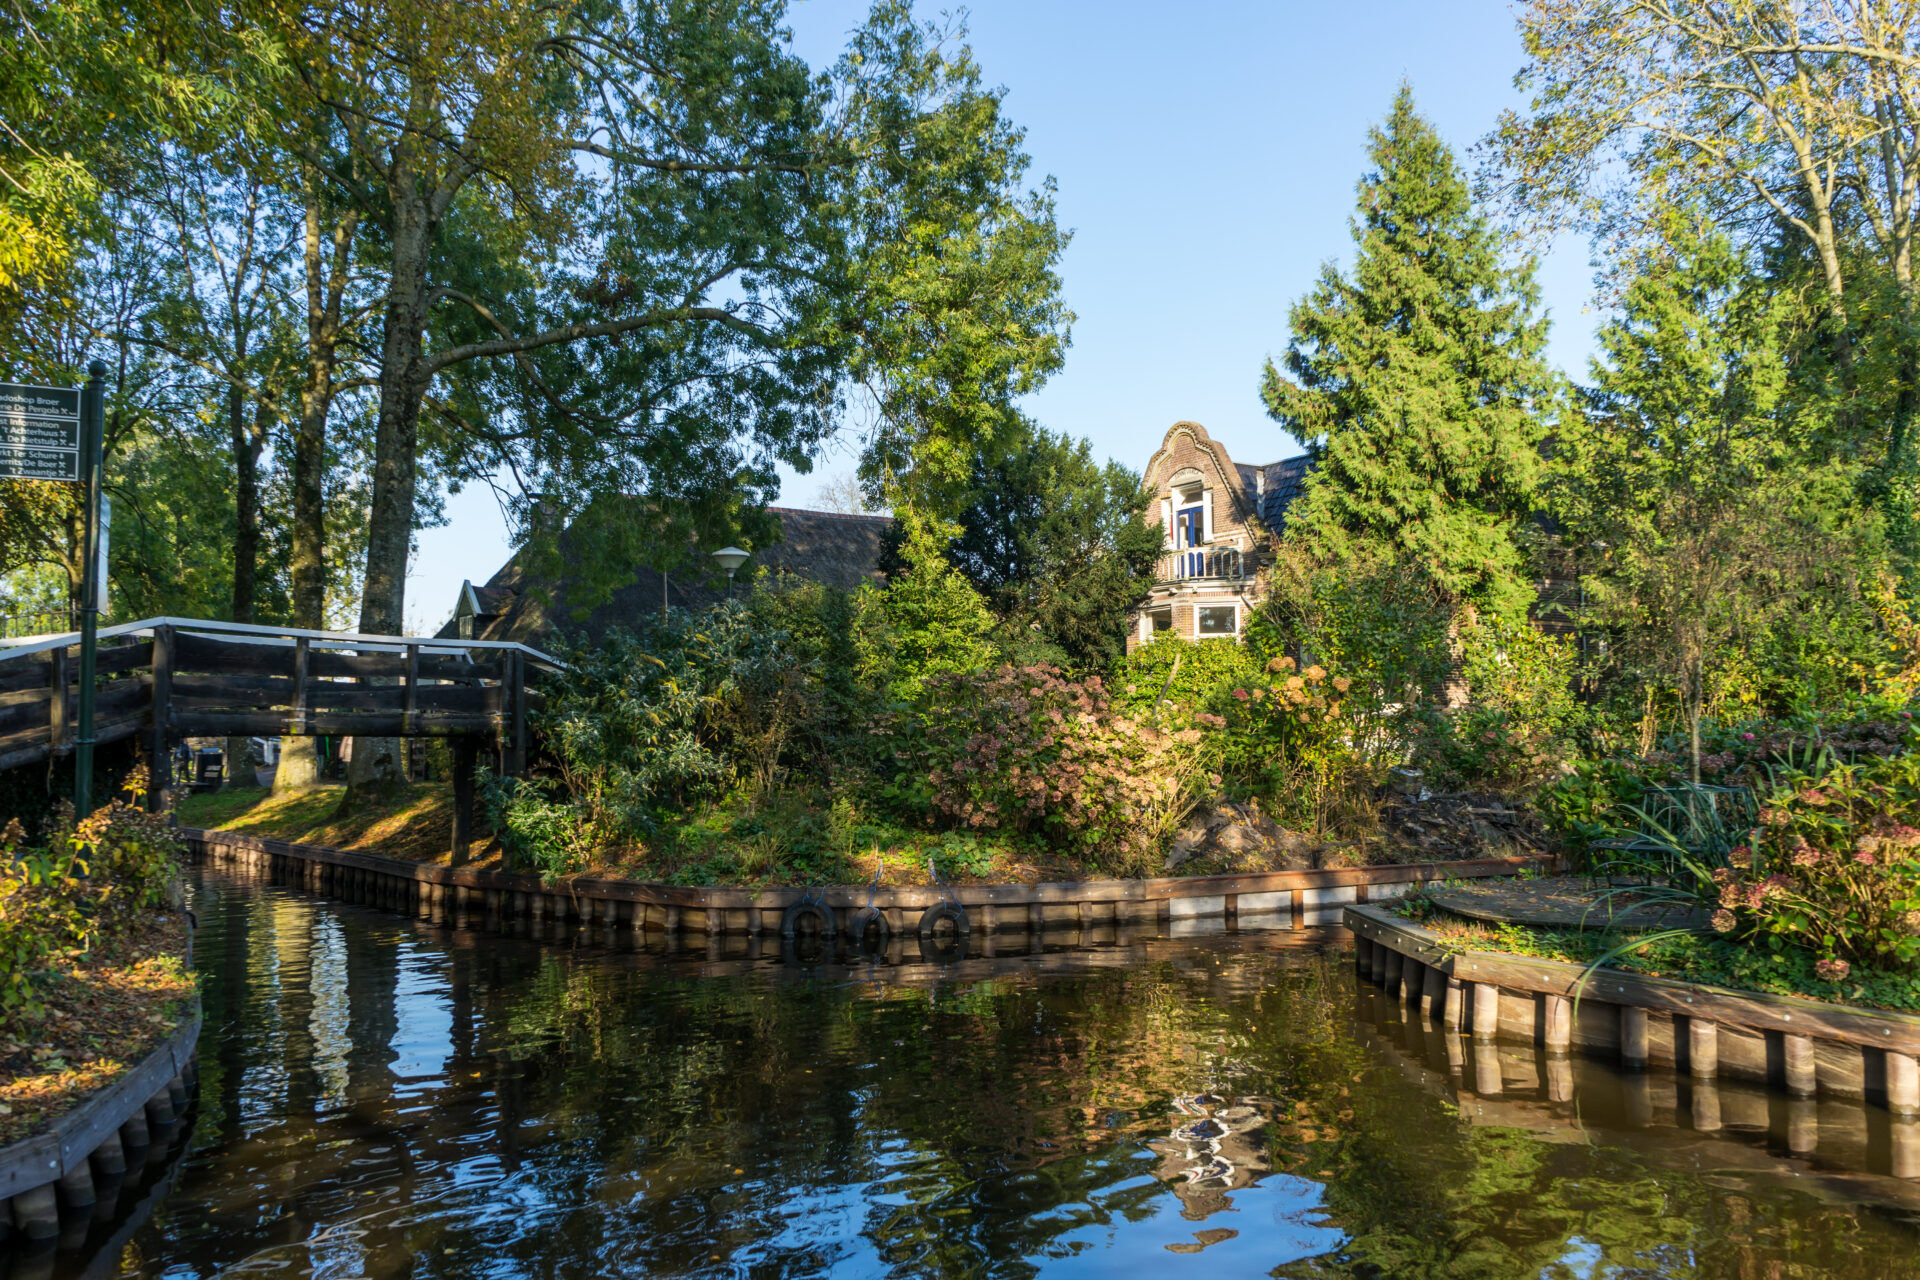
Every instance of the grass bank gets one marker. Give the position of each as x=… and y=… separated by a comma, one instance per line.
x=793, y=838
x=102, y=1012
x=1682, y=956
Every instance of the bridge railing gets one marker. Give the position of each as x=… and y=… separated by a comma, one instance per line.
x=169, y=678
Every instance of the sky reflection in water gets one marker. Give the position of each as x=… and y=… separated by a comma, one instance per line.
x=382, y=1097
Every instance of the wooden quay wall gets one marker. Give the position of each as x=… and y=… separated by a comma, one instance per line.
x=1805, y=1047
x=1296, y=897
x=58, y=1179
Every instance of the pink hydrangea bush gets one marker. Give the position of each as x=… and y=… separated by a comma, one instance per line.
x=1026, y=750
x=1834, y=866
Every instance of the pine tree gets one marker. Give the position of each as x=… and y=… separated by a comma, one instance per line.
x=1418, y=383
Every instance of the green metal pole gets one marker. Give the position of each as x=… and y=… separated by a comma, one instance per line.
x=92, y=428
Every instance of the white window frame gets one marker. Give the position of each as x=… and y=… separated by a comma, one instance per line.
x=1234, y=605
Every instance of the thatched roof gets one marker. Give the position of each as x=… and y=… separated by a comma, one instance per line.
x=827, y=547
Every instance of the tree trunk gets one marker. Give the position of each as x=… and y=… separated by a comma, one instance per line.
x=299, y=767
x=404, y=376
x=248, y=442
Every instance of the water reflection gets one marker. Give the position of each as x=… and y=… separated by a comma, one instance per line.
x=382, y=1096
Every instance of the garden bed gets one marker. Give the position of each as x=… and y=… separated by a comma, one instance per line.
x=104, y=1012
x=799, y=843
x=1688, y=956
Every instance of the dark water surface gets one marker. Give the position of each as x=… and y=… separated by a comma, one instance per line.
x=385, y=1097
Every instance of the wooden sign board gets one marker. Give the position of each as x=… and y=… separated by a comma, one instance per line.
x=39, y=433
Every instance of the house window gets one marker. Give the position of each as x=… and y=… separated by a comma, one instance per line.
x=1218, y=620
x=1154, y=621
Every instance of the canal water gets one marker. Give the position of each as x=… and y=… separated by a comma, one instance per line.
x=386, y=1097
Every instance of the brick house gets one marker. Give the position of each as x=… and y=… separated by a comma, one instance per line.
x=1221, y=520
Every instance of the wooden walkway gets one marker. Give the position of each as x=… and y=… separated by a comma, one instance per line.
x=164, y=679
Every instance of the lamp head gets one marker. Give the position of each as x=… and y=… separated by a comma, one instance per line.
x=731, y=558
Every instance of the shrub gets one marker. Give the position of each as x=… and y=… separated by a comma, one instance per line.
x=646, y=724
x=1493, y=747
x=1289, y=736
x=535, y=832
x=89, y=884
x=1191, y=675
x=1834, y=867
x=1026, y=750
x=927, y=622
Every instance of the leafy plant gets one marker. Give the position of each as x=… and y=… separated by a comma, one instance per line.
x=1834, y=867
x=535, y=832
x=1026, y=750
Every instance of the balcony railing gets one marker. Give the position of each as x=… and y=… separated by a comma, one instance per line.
x=1201, y=562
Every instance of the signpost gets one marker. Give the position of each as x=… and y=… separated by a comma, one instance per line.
x=54, y=433
x=39, y=433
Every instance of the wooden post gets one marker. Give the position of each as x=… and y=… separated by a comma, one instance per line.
x=1797, y=1051
x=1433, y=996
x=1706, y=1106
x=1703, y=1048
x=1558, y=1015
x=1395, y=963
x=59, y=726
x=302, y=667
x=1560, y=1078
x=1486, y=1011
x=466, y=754
x=1903, y=1085
x=1633, y=1035
x=1904, y=1159
x=159, y=747
x=518, y=668
x=1456, y=998
x=1803, y=1125
x=1487, y=1079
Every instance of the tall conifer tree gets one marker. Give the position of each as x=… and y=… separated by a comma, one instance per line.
x=1418, y=382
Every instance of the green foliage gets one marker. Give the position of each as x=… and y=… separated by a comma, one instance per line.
x=1289, y=736
x=1521, y=724
x=536, y=833
x=645, y=724
x=1834, y=868
x=927, y=622
x=1186, y=675
x=1056, y=544
x=77, y=891
x=1719, y=546
x=1418, y=382
x=1027, y=750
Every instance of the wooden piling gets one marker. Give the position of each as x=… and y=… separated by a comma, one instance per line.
x=1556, y=1012
x=1797, y=1056
x=1486, y=1010
x=1633, y=1036
x=1903, y=1085
x=1703, y=1048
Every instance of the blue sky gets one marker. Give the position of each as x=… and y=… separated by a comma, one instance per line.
x=1206, y=155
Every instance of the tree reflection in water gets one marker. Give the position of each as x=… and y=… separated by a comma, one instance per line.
x=387, y=1097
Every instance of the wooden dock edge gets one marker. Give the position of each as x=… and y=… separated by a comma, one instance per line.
x=1803, y=1046
x=56, y=1176
x=418, y=888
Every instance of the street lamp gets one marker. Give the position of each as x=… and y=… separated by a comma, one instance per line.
x=730, y=558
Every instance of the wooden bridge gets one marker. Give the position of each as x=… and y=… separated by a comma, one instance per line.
x=164, y=679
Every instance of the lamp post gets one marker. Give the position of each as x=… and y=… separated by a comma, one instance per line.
x=730, y=558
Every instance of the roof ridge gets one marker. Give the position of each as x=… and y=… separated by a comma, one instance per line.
x=835, y=515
